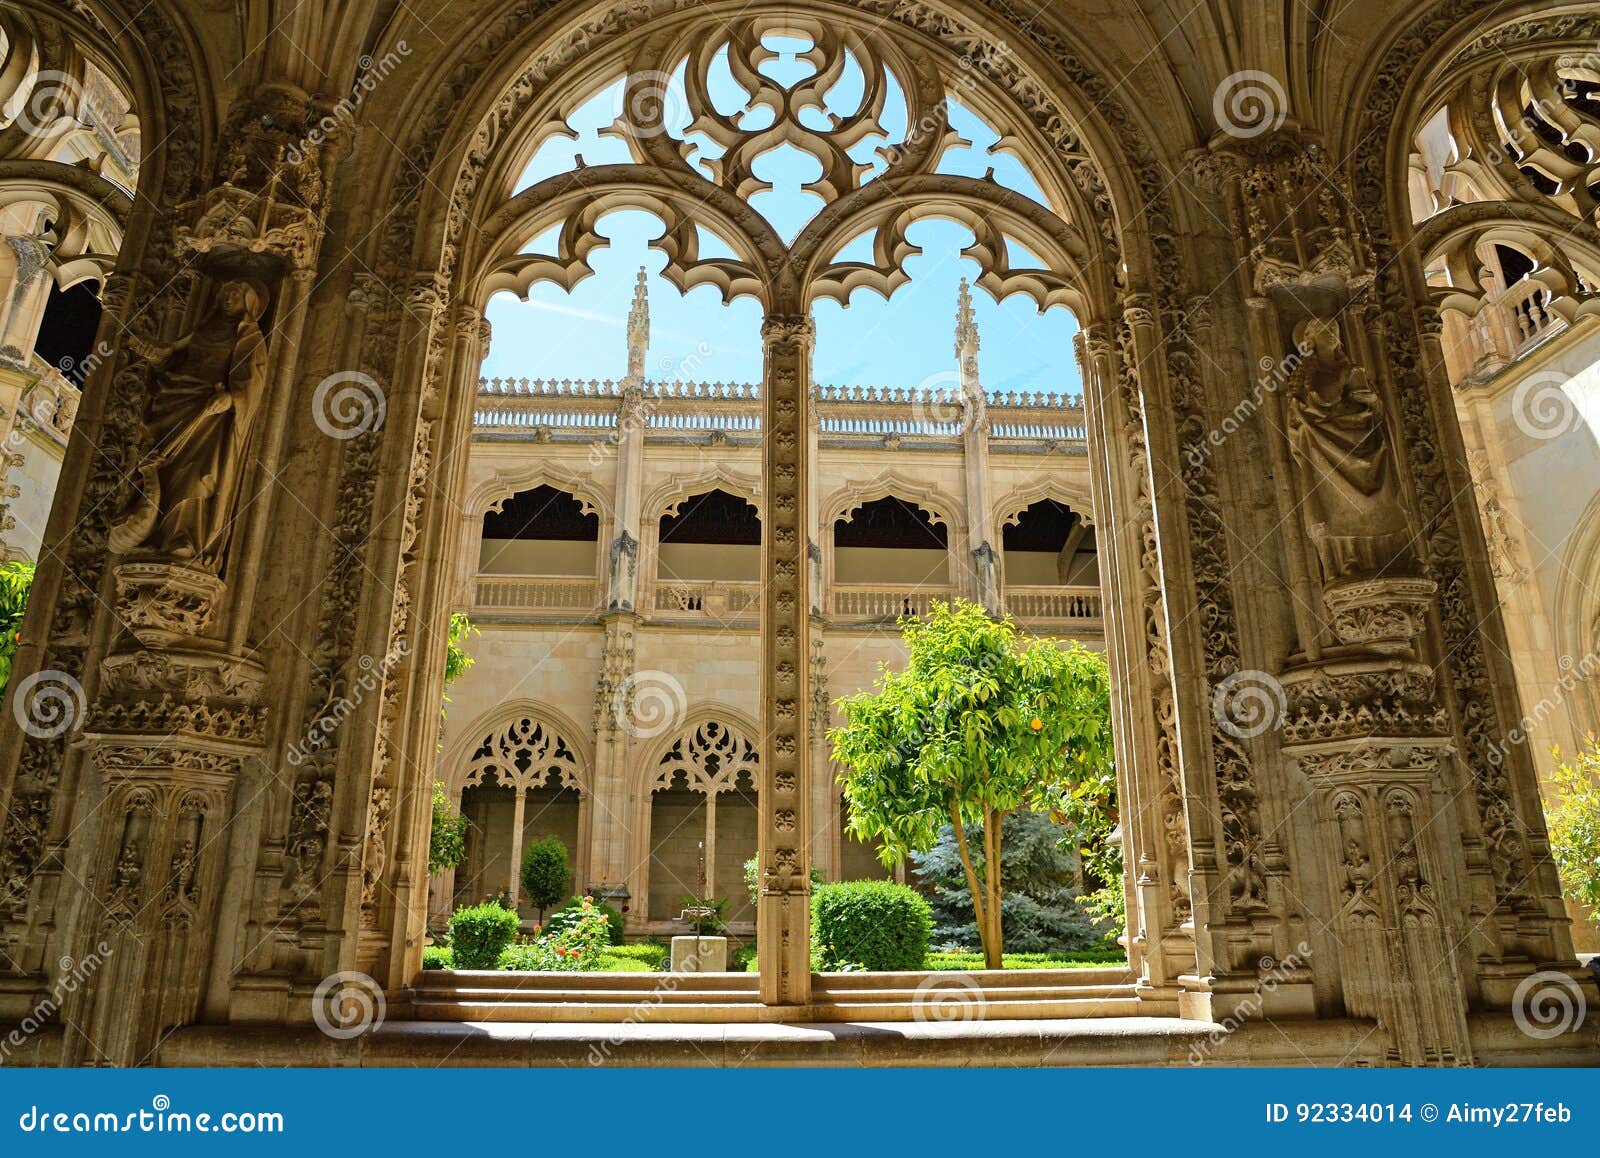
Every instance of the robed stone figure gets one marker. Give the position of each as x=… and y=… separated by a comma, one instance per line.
x=1340, y=445
x=207, y=390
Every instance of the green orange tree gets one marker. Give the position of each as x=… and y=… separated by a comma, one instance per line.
x=16, y=580
x=1572, y=808
x=981, y=722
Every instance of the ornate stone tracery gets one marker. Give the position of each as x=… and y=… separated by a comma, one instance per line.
x=711, y=758
x=525, y=753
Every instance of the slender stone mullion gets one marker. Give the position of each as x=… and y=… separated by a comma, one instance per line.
x=516, y=845
x=783, y=920
x=1148, y=807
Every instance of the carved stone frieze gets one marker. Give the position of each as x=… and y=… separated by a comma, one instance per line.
x=1356, y=698
x=190, y=675
x=1400, y=942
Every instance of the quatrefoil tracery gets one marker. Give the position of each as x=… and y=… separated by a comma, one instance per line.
x=694, y=169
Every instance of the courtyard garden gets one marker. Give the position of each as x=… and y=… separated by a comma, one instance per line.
x=982, y=771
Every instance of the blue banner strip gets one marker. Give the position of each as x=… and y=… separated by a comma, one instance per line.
x=437, y=1113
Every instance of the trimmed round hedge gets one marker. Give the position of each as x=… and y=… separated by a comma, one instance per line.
x=478, y=933
x=874, y=925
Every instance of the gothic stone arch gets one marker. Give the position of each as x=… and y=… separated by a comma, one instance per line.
x=1279, y=855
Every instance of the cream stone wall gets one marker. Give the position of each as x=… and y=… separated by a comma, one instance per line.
x=548, y=557
x=679, y=623
x=1533, y=438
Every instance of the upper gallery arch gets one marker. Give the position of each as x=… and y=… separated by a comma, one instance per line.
x=116, y=96
x=1499, y=168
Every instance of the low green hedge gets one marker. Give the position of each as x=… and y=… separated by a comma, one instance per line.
x=874, y=925
x=437, y=957
x=480, y=933
x=648, y=954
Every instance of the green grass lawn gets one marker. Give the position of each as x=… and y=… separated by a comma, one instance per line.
x=610, y=964
x=1090, y=959
x=640, y=958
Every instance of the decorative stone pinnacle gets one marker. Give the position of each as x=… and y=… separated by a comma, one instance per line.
x=967, y=343
x=638, y=328
x=966, y=324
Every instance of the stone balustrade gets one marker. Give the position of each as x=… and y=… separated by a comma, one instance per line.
x=883, y=601
x=1074, y=605
x=559, y=408
x=541, y=596
x=707, y=599
x=535, y=594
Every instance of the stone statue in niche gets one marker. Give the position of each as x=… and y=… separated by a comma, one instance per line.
x=1340, y=447
x=208, y=389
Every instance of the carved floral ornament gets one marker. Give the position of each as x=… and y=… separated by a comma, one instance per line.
x=703, y=176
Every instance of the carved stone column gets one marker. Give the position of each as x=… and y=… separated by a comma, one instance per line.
x=783, y=913
x=611, y=838
x=1155, y=833
x=25, y=299
x=385, y=773
x=824, y=790
x=1363, y=689
x=984, y=560
x=177, y=714
x=622, y=556
x=395, y=872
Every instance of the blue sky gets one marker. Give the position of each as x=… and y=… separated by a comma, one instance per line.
x=902, y=342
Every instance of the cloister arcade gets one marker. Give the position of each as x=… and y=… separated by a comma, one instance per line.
x=1295, y=245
